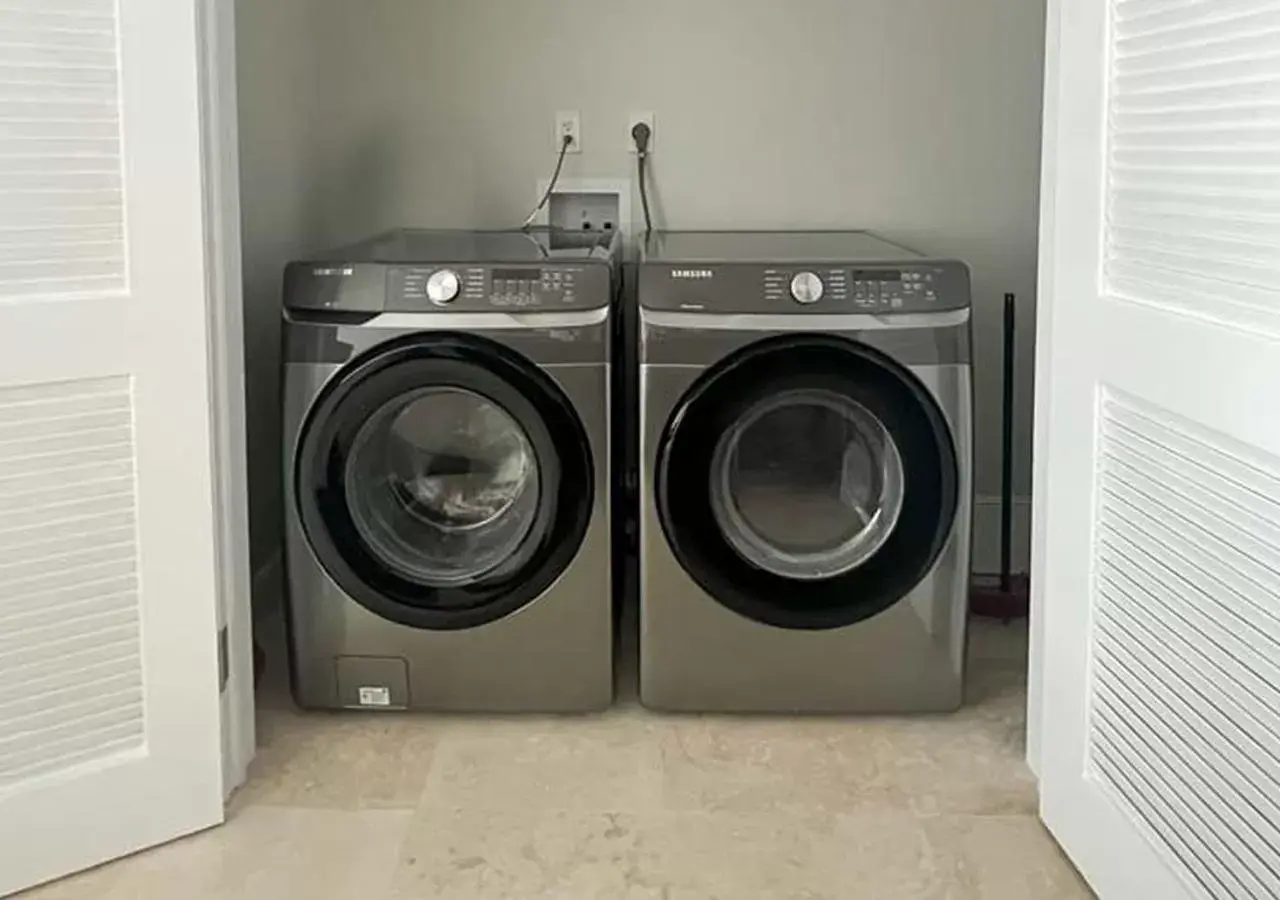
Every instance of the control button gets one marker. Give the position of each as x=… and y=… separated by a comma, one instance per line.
x=442, y=287
x=896, y=303
x=806, y=288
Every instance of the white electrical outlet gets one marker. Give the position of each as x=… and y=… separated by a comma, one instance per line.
x=568, y=125
x=635, y=119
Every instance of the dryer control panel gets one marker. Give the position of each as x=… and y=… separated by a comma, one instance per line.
x=870, y=289
x=807, y=288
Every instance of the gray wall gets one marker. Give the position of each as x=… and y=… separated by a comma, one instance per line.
x=277, y=56
x=916, y=118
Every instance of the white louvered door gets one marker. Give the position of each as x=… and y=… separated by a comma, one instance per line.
x=1160, y=749
x=109, y=716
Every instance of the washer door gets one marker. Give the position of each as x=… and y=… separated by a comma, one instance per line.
x=807, y=482
x=444, y=481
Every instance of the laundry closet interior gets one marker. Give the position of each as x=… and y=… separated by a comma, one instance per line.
x=915, y=123
x=918, y=121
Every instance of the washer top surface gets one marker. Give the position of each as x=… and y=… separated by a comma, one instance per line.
x=414, y=270
x=772, y=246
x=420, y=245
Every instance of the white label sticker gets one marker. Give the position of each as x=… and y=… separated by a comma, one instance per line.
x=375, y=696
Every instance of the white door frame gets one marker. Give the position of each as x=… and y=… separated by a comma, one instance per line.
x=1043, y=345
x=227, y=402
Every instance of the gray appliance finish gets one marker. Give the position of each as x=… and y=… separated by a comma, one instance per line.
x=806, y=474
x=447, y=463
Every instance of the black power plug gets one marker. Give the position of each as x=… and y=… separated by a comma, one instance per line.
x=640, y=134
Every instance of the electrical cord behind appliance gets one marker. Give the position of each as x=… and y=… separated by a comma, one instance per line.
x=565, y=143
x=640, y=134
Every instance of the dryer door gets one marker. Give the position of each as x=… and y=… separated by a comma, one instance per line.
x=807, y=482
x=444, y=481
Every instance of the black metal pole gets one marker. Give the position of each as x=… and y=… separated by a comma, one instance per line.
x=1006, y=471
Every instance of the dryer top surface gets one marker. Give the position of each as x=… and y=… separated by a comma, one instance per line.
x=674, y=247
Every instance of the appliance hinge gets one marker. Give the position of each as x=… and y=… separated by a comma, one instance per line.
x=224, y=662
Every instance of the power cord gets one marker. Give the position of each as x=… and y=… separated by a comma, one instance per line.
x=565, y=143
x=640, y=134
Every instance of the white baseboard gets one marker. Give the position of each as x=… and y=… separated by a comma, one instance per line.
x=986, y=535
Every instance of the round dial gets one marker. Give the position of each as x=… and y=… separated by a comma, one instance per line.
x=806, y=288
x=443, y=286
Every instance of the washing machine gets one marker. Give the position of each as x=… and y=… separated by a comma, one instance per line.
x=447, y=472
x=806, y=430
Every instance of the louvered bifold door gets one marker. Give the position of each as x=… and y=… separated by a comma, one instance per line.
x=109, y=719
x=61, y=174
x=1160, y=506
x=1194, y=192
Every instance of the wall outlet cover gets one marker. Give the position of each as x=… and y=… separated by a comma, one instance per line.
x=568, y=124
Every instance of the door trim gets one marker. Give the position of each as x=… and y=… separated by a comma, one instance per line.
x=1043, y=380
x=216, y=67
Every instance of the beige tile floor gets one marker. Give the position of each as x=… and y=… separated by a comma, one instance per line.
x=627, y=805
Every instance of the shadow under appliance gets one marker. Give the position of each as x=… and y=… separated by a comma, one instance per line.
x=805, y=474
x=446, y=415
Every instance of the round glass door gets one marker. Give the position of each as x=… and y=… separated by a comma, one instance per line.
x=443, y=481
x=806, y=484
x=443, y=486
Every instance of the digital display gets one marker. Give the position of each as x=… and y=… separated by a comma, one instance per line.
x=876, y=275
x=517, y=274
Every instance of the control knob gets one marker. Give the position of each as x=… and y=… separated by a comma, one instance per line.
x=806, y=288
x=443, y=286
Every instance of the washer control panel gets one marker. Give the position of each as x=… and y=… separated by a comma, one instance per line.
x=514, y=288
x=518, y=287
